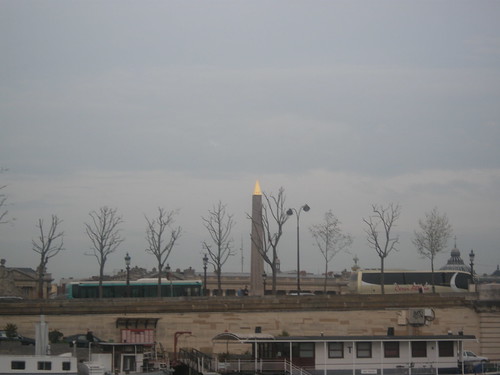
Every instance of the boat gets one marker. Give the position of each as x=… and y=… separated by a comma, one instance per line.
x=346, y=355
x=124, y=358
x=38, y=364
x=103, y=358
x=41, y=362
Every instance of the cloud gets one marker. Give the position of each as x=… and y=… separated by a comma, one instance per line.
x=371, y=120
x=183, y=104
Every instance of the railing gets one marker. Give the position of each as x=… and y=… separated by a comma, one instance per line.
x=199, y=361
x=491, y=367
x=423, y=369
x=205, y=364
x=249, y=366
x=260, y=366
x=291, y=369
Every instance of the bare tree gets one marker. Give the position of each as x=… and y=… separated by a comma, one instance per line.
x=382, y=241
x=274, y=217
x=433, y=237
x=329, y=239
x=161, y=237
x=219, y=225
x=3, y=203
x=48, y=244
x=104, y=234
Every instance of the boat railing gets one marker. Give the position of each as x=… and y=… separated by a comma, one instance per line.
x=292, y=369
x=490, y=367
x=199, y=361
x=260, y=366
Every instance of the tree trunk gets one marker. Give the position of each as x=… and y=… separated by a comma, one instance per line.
x=101, y=276
x=158, y=288
x=219, y=281
x=382, y=282
x=432, y=276
x=326, y=277
x=40, y=284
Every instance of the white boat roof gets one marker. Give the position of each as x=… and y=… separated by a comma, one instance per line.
x=252, y=337
x=242, y=337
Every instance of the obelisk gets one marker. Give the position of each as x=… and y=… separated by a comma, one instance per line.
x=257, y=238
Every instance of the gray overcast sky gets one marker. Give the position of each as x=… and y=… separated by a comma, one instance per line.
x=180, y=104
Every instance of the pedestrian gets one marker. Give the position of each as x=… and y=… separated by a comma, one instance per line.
x=89, y=336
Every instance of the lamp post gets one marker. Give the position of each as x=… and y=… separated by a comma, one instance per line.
x=127, y=264
x=471, y=258
x=264, y=278
x=205, y=263
x=297, y=215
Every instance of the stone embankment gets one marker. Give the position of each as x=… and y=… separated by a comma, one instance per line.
x=205, y=317
x=232, y=304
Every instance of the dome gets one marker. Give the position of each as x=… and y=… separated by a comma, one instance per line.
x=497, y=272
x=455, y=262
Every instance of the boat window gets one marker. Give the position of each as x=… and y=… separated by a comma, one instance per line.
x=335, y=350
x=391, y=349
x=18, y=365
x=419, y=349
x=364, y=349
x=307, y=350
x=446, y=349
x=44, y=365
x=66, y=366
x=303, y=349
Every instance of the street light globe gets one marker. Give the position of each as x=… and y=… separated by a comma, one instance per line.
x=472, y=256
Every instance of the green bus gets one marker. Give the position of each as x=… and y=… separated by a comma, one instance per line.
x=142, y=288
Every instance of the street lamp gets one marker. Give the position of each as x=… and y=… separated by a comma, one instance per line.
x=264, y=278
x=297, y=215
x=471, y=258
x=205, y=263
x=127, y=263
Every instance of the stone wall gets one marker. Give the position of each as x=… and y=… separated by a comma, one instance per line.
x=209, y=316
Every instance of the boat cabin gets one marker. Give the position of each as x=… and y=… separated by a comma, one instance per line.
x=125, y=358
x=38, y=364
x=355, y=355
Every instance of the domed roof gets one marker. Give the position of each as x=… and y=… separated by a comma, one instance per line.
x=455, y=262
x=497, y=272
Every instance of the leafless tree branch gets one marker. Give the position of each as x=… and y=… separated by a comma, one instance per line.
x=48, y=244
x=219, y=225
x=380, y=239
x=329, y=239
x=433, y=236
x=161, y=238
x=104, y=235
x=3, y=203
